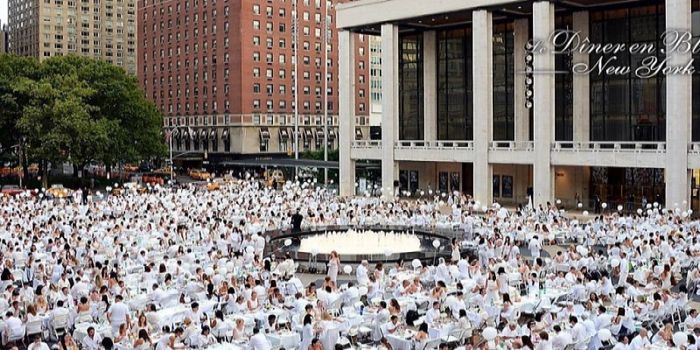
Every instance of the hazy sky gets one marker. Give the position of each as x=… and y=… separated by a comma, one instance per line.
x=3, y=11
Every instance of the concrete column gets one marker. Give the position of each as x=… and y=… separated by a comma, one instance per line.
x=429, y=86
x=390, y=104
x=522, y=114
x=544, y=102
x=582, y=84
x=346, y=90
x=482, y=53
x=678, y=109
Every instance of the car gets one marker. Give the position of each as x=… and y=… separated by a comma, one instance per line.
x=58, y=191
x=11, y=190
x=215, y=184
x=200, y=174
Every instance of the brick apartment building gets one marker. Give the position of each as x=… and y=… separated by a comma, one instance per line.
x=222, y=74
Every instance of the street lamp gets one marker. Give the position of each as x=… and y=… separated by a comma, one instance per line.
x=169, y=133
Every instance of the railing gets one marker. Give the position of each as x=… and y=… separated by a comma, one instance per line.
x=512, y=145
x=434, y=145
x=367, y=144
x=618, y=147
x=694, y=148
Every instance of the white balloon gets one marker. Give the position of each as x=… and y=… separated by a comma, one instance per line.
x=604, y=334
x=585, y=212
x=614, y=262
x=558, y=201
x=619, y=207
x=680, y=339
x=604, y=205
x=287, y=242
x=489, y=333
x=580, y=205
x=347, y=269
x=639, y=211
x=648, y=205
x=416, y=263
x=436, y=243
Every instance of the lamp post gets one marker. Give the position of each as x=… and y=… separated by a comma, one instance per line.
x=169, y=132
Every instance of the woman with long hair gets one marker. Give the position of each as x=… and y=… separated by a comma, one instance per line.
x=333, y=266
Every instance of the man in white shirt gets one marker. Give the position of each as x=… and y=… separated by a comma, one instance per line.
x=641, y=341
x=433, y=314
x=37, y=344
x=535, y=247
x=362, y=273
x=157, y=295
x=59, y=312
x=13, y=325
x=118, y=314
x=350, y=294
x=578, y=331
x=203, y=339
x=258, y=341
x=92, y=340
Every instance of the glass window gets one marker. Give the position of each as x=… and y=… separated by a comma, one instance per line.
x=454, y=85
x=624, y=107
x=503, y=76
x=411, y=88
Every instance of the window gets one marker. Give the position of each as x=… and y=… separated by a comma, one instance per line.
x=454, y=81
x=256, y=41
x=503, y=75
x=256, y=9
x=256, y=104
x=256, y=25
x=256, y=88
x=256, y=72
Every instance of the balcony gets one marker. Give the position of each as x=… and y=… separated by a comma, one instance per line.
x=366, y=149
x=437, y=151
x=612, y=154
x=512, y=152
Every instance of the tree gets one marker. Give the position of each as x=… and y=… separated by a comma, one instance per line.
x=77, y=109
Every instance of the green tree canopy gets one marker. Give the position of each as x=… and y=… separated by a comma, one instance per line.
x=78, y=109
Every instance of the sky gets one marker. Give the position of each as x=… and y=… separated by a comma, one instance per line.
x=3, y=11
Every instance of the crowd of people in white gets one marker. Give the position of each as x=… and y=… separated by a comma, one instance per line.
x=183, y=267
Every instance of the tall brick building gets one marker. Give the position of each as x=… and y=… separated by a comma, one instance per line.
x=222, y=73
x=101, y=29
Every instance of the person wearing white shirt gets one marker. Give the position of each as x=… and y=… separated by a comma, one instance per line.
x=641, y=341
x=534, y=246
x=118, y=314
x=511, y=331
x=203, y=339
x=258, y=341
x=59, y=312
x=433, y=314
x=362, y=274
x=544, y=343
x=37, y=344
x=13, y=325
x=578, y=331
x=92, y=340
x=350, y=294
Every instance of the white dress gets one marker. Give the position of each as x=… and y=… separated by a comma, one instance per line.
x=307, y=334
x=333, y=270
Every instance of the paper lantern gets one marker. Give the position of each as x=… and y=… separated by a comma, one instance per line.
x=619, y=207
x=436, y=243
x=656, y=204
x=639, y=211
x=490, y=333
x=558, y=201
x=585, y=212
x=604, y=334
x=580, y=205
x=416, y=264
x=347, y=269
x=649, y=212
x=604, y=205
x=680, y=339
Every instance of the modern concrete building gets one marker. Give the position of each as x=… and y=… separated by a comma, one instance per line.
x=103, y=29
x=223, y=75
x=3, y=38
x=460, y=112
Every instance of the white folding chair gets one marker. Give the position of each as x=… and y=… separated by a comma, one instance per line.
x=60, y=325
x=34, y=327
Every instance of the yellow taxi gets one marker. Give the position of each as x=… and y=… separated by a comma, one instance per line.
x=58, y=191
x=200, y=174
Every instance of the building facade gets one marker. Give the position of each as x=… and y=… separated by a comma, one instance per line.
x=223, y=75
x=462, y=111
x=103, y=29
x=3, y=38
